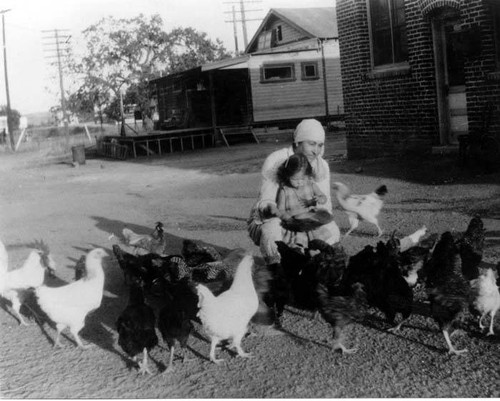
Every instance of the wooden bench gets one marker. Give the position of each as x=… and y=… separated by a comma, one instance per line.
x=241, y=131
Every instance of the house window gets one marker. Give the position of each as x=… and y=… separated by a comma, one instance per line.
x=388, y=32
x=265, y=39
x=277, y=73
x=309, y=70
x=279, y=34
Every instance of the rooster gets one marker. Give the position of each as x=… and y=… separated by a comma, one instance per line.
x=153, y=243
x=227, y=316
x=31, y=274
x=471, y=246
x=448, y=291
x=136, y=328
x=360, y=207
x=68, y=305
x=486, y=296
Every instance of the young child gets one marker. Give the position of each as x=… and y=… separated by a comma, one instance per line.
x=298, y=194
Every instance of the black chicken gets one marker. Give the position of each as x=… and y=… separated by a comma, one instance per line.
x=294, y=282
x=471, y=248
x=145, y=270
x=379, y=273
x=175, y=318
x=339, y=306
x=448, y=291
x=338, y=301
x=136, y=328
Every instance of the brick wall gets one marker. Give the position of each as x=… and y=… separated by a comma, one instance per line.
x=391, y=113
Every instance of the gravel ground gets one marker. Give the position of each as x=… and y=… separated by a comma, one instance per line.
x=207, y=195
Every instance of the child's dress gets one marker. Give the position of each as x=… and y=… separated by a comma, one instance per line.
x=296, y=201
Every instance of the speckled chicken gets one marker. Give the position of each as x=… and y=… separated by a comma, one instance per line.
x=339, y=302
x=448, y=291
x=156, y=242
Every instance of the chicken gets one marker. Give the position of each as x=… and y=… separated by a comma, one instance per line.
x=136, y=328
x=471, y=248
x=153, y=243
x=80, y=268
x=175, y=318
x=31, y=274
x=412, y=259
x=295, y=282
x=338, y=301
x=448, y=291
x=68, y=305
x=486, y=296
x=386, y=289
x=227, y=315
x=195, y=253
x=412, y=240
x=141, y=269
x=339, y=306
x=360, y=207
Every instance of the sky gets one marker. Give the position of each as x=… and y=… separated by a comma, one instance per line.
x=34, y=84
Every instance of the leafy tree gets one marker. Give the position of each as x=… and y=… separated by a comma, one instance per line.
x=122, y=55
x=14, y=116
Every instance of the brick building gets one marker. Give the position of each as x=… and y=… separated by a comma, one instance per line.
x=418, y=74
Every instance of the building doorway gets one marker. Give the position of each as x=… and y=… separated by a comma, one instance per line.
x=450, y=76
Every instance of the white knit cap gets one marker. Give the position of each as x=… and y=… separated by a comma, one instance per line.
x=309, y=130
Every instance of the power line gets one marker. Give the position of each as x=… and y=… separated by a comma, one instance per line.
x=61, y=43
x=243, y=19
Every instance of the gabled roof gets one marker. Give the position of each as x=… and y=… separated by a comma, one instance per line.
x=317, y=22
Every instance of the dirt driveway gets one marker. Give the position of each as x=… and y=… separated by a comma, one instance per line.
x=206, y=195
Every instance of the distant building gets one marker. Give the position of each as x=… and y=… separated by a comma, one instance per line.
x=290, y=70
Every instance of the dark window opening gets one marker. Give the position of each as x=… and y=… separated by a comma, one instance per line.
x=309, y=71
x=279, y=35
x=278, y=73
x=388, y=28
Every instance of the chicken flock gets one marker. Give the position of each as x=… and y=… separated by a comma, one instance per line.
x=198, y=290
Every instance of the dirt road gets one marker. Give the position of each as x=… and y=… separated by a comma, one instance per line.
x=206, y=195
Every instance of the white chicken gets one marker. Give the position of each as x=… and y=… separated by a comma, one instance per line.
x=68, y=305
x=227, y=315
x=15, y=283
x=487, y=297
x=360, y=207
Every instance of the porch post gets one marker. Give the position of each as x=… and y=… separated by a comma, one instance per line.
x=212, y=102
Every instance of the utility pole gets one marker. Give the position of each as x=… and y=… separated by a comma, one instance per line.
x=60, y=42
x=243, y=19
x=7, y=94
x=235, y=31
